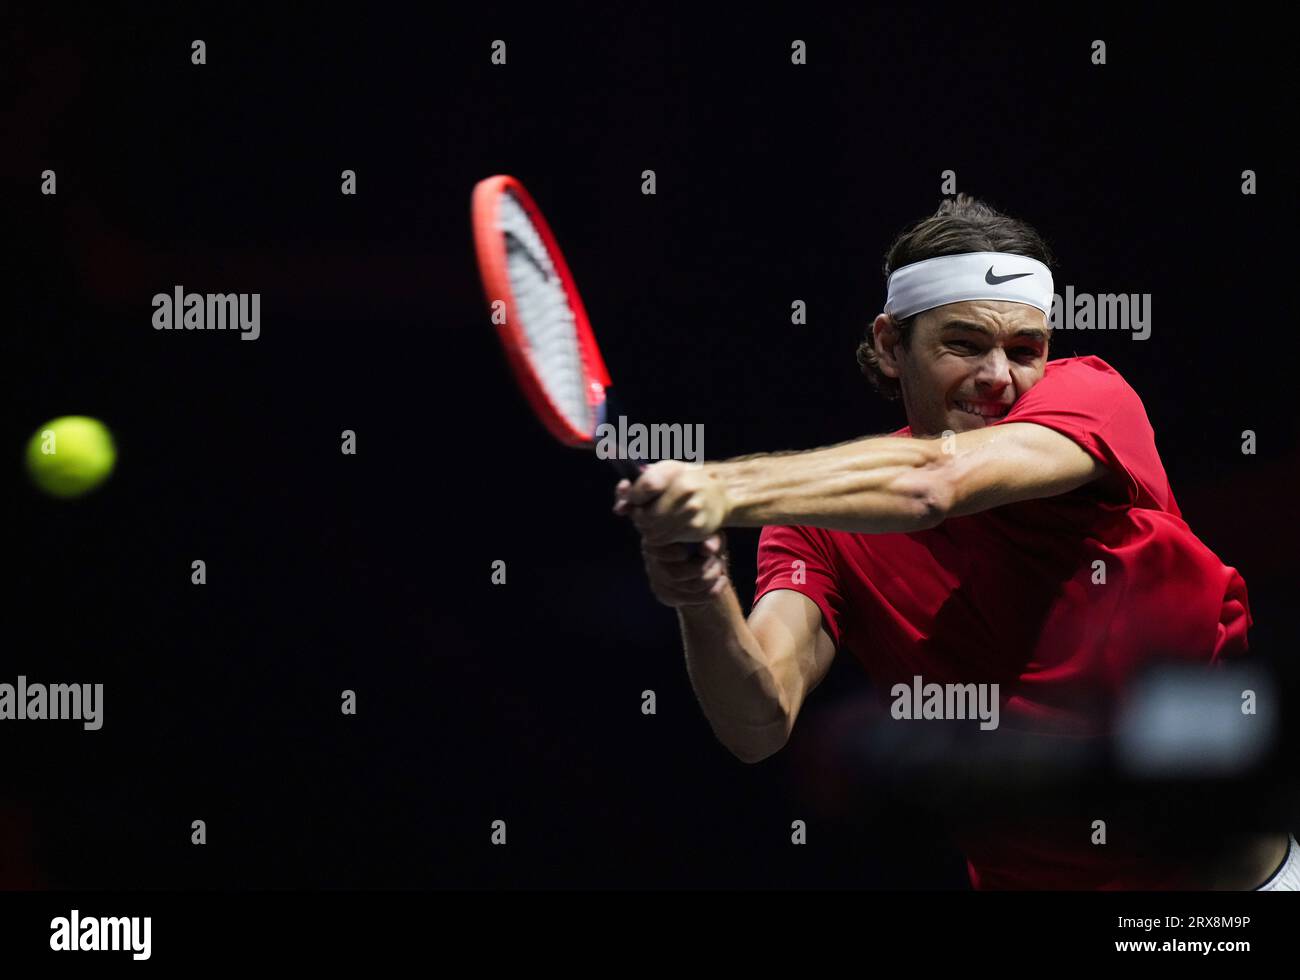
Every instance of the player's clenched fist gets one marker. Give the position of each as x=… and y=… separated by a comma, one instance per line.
x=673, y=501
x=679, y=577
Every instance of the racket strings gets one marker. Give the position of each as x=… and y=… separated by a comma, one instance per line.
x=543, y=309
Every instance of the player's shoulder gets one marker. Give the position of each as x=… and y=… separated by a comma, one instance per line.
x=1087, y=373
x=1082, y=366
x=1079, y=394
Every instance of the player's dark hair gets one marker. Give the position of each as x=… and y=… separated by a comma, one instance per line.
x=962, y=224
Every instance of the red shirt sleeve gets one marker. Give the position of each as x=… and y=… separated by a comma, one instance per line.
x=1235, y=620
x=1087, y=400
x=799, y=558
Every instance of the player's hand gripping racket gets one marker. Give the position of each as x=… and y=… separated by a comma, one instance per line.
x=540, y=318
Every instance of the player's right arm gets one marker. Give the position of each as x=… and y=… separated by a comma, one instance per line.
x=751, y=676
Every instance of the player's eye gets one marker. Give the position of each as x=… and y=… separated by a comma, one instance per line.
x=963, y=345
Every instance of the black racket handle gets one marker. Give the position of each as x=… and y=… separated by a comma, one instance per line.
x=630, y=469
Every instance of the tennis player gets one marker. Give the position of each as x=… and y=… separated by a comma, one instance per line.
x=1019, y=531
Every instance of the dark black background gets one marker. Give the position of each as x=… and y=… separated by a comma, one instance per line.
x=372, y=572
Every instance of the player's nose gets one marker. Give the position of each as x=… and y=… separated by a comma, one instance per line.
x=994, y=373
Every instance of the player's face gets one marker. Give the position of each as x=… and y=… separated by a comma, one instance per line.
x=967, y=363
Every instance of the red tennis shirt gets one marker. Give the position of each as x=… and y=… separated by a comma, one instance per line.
x=1014, y=596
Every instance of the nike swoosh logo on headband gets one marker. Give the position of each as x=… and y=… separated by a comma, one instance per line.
x=993, y=280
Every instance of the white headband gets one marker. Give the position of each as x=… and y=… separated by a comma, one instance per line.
x=934, y=282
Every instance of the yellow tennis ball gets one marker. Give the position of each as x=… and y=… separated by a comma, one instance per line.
x=71, y=455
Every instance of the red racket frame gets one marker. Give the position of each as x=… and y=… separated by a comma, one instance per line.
x=491, y=248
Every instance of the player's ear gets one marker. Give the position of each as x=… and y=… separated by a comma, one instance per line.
x=884, y=337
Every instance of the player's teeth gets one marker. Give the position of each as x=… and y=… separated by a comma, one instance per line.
x=986, y=411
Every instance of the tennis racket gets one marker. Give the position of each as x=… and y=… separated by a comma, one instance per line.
x=543, y=326
x=539, y=317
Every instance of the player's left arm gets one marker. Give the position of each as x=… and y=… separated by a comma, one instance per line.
x=1005, y=464
x=871, y=486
